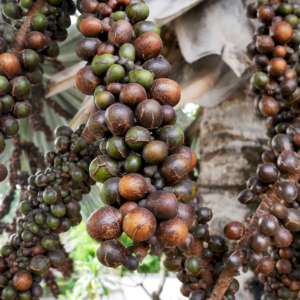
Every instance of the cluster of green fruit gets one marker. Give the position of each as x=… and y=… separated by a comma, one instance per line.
x=21, y=65
x=49, y=206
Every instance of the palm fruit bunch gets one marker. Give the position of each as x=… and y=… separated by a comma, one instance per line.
x=271, y=250
x=49, y=206
x=22, y=51
x=144, y=168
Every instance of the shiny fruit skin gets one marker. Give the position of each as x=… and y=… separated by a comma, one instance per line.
x=133, y=187
x=105, y=224
x=139, y=224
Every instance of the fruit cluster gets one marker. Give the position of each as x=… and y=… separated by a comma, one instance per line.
x=50, y=205
x=144, y=167
x=271, y=250
x=22, y=50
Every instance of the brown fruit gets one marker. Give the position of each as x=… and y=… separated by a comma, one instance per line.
x=90, y=26
x=127, y=207
x=105, y=224
x=268, y=106
x=121, y=32
x=87, y=81
x=36, y=40
x=119, y=118
x=277, y=66
x=132, y=94
x=3, y=172
x=265, y=266
x=173, y=233
x=186, y=213
x=166, y=91
x=10, y=65
x=175, y=168
x=133, y=187
x=105, y=48
x=234, y=230
x=111, y=253
x=89, y=6
x=189, y=154
x=162, y=204
x=283, y=238
x=283, y=32
x=280, y=51
x=155, y=152
x=139, y=224
x=22, y=281
x=148, y=45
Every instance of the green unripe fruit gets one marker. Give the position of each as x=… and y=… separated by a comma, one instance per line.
x=6, y=250
x=50, y=196
x=52, y=222
x=77, y=175
x=115, y=73
x=9, y=293
x=103, y=168
x=101, y=63
x=35, y=77
x=55, y=2
x=285, y=9
x=133, y=163
x=137, y=12
x=260, y=80
x=296, y=37
x=103, y=99
x=137, y=137
x=40, y=218
x=9, y=126
x=141, y=76
x=26, y=236
x=27, y=4
x=118, y=15
x=30, y=59
x=116, y=148
x=12, y=10
x=292, y=19
x=39, y=22
x=193, y=266
x=25, y=296
x=52, y=50
x=4, y=85
x=39, y=264
x=25, y=207
x=58, y=210
x=34, y=228
x=21, y=87
x=49, y=243
x=109, y=192
x=145, y=26
x=22, y=110
x=127, y=51
x=7, y=103
x=173, y=135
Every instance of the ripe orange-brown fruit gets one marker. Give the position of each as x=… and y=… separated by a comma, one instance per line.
x=121, y=32
x=105, y=224
x=166, y=91
x=277, y=66
x=283, y=32
x=10, y=65
x=173, y=233
x=90, y=26
x=22, y=281
x=87, y=81
x=280, y=51
x=36, y=40
x=133, y=187
x=148, y=45
x=139, y=224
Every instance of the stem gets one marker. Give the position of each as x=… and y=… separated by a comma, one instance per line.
x=269, y=199
x=22, y=32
